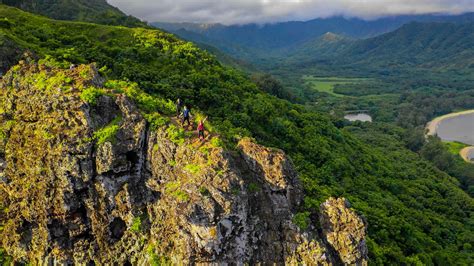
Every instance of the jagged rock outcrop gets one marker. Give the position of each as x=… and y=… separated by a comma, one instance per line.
x=141, y=196
x=344, y=230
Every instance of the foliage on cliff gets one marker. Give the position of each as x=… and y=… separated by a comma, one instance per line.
x=416, y=213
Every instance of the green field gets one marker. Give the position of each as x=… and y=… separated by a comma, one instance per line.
x=327, y=84
x=455, y=147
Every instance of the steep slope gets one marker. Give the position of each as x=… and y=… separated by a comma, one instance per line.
x=327, y=46
x=142, y=196
x=97, y=11
x=427, y=45
x=415, y=213
x=415, y=46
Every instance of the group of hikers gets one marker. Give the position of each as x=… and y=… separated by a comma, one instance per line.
x=184, y=112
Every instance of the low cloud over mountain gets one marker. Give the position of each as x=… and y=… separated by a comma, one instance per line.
x=264, y=11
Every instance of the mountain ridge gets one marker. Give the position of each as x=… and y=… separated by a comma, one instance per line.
x=96, y=11
x=435, y=45
x=279, y=35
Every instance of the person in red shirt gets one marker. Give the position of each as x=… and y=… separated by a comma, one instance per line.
x=201, y=129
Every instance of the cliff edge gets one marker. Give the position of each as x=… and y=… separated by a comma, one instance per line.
x=91, y=181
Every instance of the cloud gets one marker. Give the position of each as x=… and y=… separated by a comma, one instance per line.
x=268, y=11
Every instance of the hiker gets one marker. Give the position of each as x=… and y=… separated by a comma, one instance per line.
x=179, y=105
x=186, y=116
x=200, y=129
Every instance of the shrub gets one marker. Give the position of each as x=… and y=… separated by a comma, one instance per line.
x=137, y=224
x=91, y=94
x=216, y=142
x=145, y=101
x=51, y=61
x=176, y=134
x=301, y=219
x=107, y=133
x=156, y=120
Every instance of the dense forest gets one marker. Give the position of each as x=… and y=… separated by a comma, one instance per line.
x=83, y=10
x=417, y=214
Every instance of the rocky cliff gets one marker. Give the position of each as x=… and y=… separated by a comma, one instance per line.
x=134, y=194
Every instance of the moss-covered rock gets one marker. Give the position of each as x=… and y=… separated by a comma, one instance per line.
x=97, y=181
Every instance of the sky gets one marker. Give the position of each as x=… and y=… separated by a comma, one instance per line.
x=269, y=11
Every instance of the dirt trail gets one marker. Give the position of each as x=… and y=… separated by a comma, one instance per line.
x=193, y=129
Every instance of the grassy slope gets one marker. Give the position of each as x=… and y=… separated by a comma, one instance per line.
x=415, y=212
x=98, y=11
x=327, y=84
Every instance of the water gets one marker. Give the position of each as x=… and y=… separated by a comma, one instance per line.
x=359, y=117
x=459, y=128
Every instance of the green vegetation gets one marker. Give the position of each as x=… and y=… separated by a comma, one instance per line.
x=415, y=211
x=301, y=219
x=174, y=189
x=216, y=142
x=156, y=120
x=157, y=260
x=91, y=94
x=97, y=11
x=176, y=134
x=4, y=258
x=146, y=102
x=137, y=225
x=328, y=84
x=107, y=133
x=192, y=168
x=455, y=147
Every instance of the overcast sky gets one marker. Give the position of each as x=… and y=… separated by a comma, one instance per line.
x=263, y=11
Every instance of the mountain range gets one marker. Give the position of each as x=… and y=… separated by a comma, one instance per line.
x=394, y=43
x=284, y=34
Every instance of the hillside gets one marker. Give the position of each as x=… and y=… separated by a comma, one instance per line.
x=425, y=45
x=258, y=39
x=96, y=11
x=429, y=47
x=415, y=212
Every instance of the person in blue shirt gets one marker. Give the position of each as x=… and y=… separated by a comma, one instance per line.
x=186, y=115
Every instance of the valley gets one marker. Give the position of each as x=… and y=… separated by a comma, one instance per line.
x=95, y=169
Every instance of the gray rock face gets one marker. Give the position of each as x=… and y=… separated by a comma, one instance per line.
x=143, y=197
